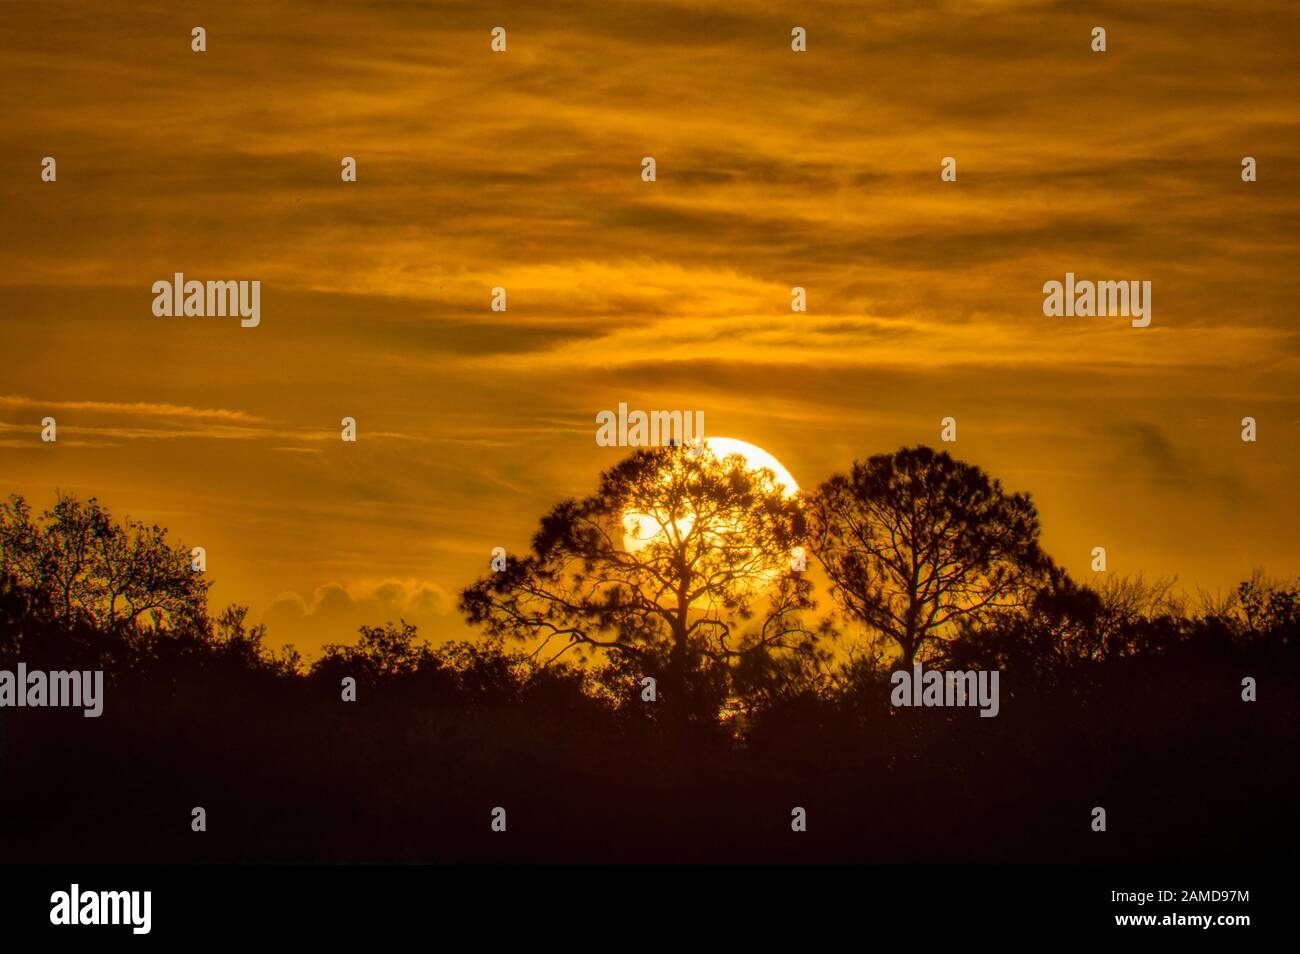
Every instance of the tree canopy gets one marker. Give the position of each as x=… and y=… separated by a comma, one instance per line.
x=679, y=561
x=81, y=565
x=915, y=541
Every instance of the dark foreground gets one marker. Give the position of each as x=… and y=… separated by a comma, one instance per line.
x=1186, y=771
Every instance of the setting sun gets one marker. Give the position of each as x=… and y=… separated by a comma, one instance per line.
x=640, y=529
x=755, y=457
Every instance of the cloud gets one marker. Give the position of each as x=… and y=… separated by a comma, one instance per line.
x=1143, y=449
x=138, y=408
x=334, y=611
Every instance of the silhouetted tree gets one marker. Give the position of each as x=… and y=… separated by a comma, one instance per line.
x=1063, y=629
x=229, y=635
x=81, y=565
x=381, y=652
x=680, y=561
x=914, y=541
x=1270, y=608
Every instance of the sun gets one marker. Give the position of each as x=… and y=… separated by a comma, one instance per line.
x=755, y=458
x=639, y=529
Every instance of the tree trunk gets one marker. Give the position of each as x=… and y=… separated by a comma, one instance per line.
x=908, y=646
x=677, y=697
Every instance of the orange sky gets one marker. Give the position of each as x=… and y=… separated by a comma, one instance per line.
x=522, y=170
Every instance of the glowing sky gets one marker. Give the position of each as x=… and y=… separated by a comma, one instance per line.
x=522, y=170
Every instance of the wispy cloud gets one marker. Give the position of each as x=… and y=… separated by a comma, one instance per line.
x=138, y=408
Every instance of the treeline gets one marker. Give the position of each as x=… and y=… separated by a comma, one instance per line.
x=1124, y=696
x=685, y=568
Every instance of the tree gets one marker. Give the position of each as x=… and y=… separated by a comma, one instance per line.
x=680, y=561
x=82, y=566
x=1270, y=607
x=229, y=635
x=382, y=652
x=915, y=541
